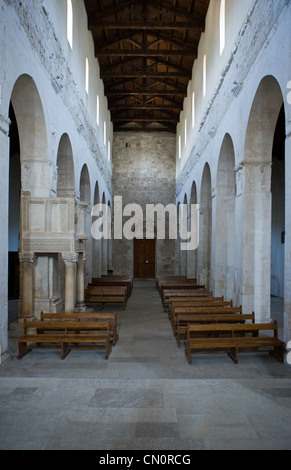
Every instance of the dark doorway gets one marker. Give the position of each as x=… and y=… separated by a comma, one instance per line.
x=14, y=208
x=144, y=258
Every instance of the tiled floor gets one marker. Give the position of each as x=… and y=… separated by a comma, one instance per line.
x=146, y=395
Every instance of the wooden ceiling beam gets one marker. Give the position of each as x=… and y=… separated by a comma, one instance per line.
x=180, y=12
x=115, y=99
x=145, y=25
x=144, y=53
x=146, y=92
x=144, y=129
x=145, y=74
x=98, y=15
x=154, y=107
x=143, y=119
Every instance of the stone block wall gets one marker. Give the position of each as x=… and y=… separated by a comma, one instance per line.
x=144, y=173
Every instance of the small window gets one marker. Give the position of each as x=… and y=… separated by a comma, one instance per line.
x=87, y=75
x=193, y=109
x=222, y=26
x=105, y=133
x=180, y=147
x=204, y=76
x=70, y=23
x=97, y=110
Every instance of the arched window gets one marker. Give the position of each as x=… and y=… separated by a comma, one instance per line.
x=105, y=133
x=87, y=75
x=193, y=109
x=222, y=25
x=70, y=23
x=204, y=76
x=97, y=110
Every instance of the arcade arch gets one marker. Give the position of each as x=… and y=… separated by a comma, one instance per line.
x=224, y=255
x=255, y=176
x=205, y=228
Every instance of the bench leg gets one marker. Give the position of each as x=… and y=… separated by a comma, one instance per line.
x=115, y=337
x=22, y=350
x=278, y=354
x=108, y=349
x=188, y=354
x=65, y=350
x=233, y=354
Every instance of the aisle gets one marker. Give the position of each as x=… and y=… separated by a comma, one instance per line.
x=145, y=332
x=145, y=396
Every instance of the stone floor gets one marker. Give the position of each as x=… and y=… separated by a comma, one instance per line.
x=145, y=396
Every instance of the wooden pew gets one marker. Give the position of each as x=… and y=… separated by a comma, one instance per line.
x=203, y=311
x=186, y=284
x=197, y=302
x=167, y=294
x=109, y=281
x=65, y=334
x=106, y=294
x=183, y=321
x=235, y=337
x=160, y=279
x=85, y=316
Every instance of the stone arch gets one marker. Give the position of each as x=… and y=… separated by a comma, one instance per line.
x=183, y=254
x=65, y=164
x=104, y=244
x=224, y=243
x=35, y=171
x=205, y=228
x=255, y=187
x=192, y=254
x=37, y=180
x=85, y=196
x=96, y=244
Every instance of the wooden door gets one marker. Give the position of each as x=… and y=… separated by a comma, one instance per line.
x=144, y=258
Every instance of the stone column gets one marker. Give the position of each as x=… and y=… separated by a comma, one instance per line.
x=81, y=282
x=4, y=209
x=254, y=185
x=27, y=266
x=70, y=260
x=287, y=274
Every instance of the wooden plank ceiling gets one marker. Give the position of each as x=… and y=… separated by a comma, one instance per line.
x=146, y=50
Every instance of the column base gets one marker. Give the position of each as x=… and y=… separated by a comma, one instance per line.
x=80, y=307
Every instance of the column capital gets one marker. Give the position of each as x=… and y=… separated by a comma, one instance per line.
x=253, y=176
x=70, y=259
x=27, y=258
x=82, y=257
x=252, y=164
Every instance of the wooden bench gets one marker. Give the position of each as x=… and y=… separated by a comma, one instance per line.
x=65, y=334
x=167, y=294
x=183, y=321
x=99, y=316
x=187, y=284
x=198, y=302
x=235, y=337
x=110, y=281
x=203, y=311
x=160, y=279
x=104, y=295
